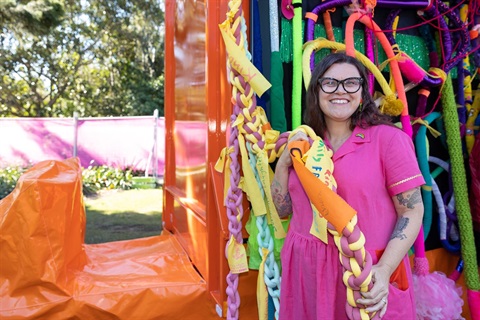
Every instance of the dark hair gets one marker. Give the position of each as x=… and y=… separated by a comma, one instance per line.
x=370, y=115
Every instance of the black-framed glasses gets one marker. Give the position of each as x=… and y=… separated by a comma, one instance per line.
x=350, y=85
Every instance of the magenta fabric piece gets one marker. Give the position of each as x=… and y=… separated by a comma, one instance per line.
x=312, y=286
x=473, y=297
x=118, y=142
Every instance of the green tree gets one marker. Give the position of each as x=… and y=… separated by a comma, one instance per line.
x=104, y=58
x=36, y=17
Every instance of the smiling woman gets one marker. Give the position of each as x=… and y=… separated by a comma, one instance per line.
x=341, y=110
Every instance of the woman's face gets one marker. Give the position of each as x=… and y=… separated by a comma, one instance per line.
x=339, y=105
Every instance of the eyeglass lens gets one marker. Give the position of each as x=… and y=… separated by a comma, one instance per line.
x=350, y=85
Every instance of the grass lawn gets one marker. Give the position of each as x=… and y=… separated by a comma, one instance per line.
x=123, y=214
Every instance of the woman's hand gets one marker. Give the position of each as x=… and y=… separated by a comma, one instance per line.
x=376, y=299
x=285, y=159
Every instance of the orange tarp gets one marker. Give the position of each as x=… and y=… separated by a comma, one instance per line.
x=47, y=272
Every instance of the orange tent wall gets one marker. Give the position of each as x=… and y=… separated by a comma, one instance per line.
x=197, y=94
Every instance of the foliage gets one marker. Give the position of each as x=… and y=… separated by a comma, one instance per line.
x=8, y=179
x=98, y=58
x=94, y=178
x=36, y=17
x=103, y=177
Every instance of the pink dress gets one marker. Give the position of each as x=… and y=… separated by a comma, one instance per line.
x=372, y=166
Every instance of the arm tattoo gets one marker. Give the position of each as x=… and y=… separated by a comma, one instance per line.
x=282, y=200
x=410, y=201
x=401, y=225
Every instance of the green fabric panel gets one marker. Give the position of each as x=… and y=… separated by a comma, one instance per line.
x=277, y=104
x=252, y=245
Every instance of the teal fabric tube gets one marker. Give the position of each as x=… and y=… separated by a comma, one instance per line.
x=422, y=158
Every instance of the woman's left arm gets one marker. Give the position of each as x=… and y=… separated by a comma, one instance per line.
x=409, y=207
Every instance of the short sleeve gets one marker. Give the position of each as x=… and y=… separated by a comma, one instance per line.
x=401, y=167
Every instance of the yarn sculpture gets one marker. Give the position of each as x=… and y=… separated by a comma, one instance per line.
x=252, y=140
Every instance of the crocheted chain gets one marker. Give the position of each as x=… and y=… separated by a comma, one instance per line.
x=240, y=96
x=265, y=242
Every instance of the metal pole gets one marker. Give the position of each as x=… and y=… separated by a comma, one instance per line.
x=75, y=132
x=155, y=153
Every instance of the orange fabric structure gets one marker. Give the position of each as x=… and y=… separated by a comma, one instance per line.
x=47, y=272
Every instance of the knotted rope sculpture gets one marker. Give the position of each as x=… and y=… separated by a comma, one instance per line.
x=242, y=96
x=253, y=124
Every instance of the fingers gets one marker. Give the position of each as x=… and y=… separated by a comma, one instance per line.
x=285, y=158
x=384, y=308
x=298, y=136
x=379, y=306
x=376, y=299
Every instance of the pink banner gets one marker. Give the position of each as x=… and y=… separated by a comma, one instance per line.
x=121, y=142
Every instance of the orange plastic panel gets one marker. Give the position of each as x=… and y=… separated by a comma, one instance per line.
x=47, y=272
x=197, y=93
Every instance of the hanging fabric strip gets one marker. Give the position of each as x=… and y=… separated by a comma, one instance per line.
x=277, y=103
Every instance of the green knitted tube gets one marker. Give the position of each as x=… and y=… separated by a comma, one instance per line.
x=460, y=188
x=297, y=66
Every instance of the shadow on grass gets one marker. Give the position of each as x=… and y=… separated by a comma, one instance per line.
x=114, y=215
x=103, y=227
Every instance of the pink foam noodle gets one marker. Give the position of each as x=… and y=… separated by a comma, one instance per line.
x=455, y=275
x=473, y=297
x=421, y=267
x=354, y=313
x=406, y=124
x=395, y=69
x=356, y=283
x=410, y=69
x=419, y=245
